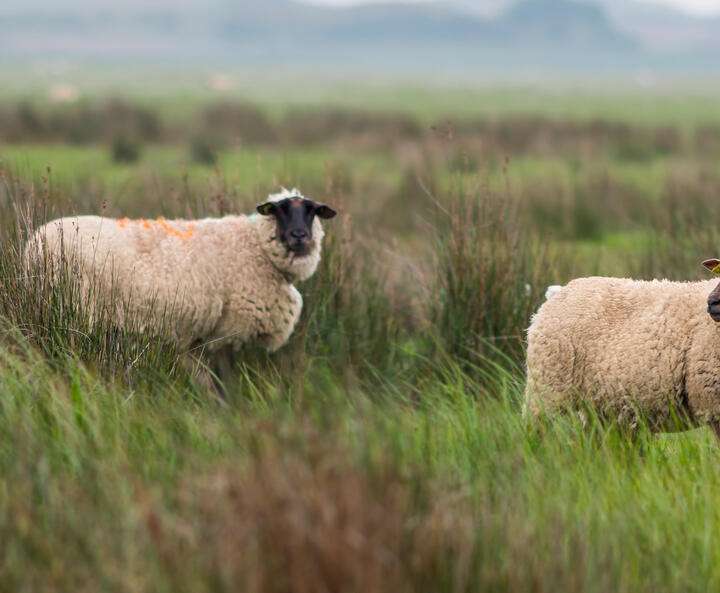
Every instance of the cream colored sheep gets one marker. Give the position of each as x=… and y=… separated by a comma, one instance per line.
x=624, y=347
x=220, y=281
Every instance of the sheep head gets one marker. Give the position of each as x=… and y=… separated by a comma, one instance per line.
x=713, y=300
x=294, y=215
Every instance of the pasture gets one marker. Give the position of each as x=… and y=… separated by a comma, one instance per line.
x=382, y=448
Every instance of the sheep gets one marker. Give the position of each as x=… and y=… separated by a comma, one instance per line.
x=220, y=281
x=628, y=350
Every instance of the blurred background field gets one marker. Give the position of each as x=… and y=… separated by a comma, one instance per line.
x=476, y=154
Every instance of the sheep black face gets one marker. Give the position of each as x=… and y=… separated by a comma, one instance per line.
x=294, y=218
x=713, y=300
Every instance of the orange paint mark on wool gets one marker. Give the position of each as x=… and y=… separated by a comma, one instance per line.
x=185, y=236
x=147, y=224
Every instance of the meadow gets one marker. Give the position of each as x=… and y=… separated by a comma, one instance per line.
x=382, y=449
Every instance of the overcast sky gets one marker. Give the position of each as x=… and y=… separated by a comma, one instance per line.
x=699, y=7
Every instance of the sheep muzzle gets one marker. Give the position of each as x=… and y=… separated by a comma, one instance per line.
x=713, y=304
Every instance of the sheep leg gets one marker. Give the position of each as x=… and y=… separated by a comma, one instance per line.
x=203, y=369
x=715, y=425
x=224, y=362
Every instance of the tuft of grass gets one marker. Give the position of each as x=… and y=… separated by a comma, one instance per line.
x=489, y=275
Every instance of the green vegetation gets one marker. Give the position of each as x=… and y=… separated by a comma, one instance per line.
x=383, y=448
x=333, y=489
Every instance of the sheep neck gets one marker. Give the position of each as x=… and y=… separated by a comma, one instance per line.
x=290, y=267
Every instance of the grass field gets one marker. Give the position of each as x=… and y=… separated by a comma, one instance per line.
x=641, y=98
x=382, y=449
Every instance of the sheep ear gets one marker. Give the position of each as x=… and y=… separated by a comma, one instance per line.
x=266, y=209
x=713, y=265
x=324, y=211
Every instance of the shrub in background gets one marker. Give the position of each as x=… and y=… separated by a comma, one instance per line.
x=125, y=150
x=234, y=122
x=203, y=150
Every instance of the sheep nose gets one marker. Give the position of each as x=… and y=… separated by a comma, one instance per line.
x=714, y=308
x=298, y=234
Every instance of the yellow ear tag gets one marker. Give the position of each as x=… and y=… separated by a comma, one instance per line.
x=716, y=270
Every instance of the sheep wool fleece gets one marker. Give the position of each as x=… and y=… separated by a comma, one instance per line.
x=219, y=281
x=623, y=347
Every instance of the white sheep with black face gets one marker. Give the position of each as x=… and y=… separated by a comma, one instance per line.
x=220, y=281
x=628, y=349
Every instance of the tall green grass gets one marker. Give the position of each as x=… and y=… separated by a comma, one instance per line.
x=149, y=490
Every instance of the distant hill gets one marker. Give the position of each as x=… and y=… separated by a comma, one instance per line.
x=563, y=23
x=303, y=26
x=547, y=34
x=541, y=24
x=654, y=27
x=660, y=28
